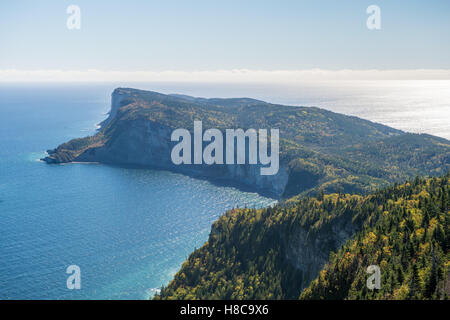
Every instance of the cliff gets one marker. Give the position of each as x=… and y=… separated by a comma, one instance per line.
x=320, y=248
x=319, y=149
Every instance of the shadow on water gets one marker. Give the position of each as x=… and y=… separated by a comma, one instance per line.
x=214, y=180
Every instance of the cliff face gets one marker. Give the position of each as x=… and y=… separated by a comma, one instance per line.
x=309, y=254
x=147, y=143
x=118, y=98
x=143, y=142
x=319, y=149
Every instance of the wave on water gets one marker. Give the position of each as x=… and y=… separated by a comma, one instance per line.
x=36, y=156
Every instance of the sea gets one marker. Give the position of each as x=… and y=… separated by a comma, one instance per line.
x=130, y=229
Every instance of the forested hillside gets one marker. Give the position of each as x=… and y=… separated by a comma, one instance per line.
x=325, y=244
x=409, y=240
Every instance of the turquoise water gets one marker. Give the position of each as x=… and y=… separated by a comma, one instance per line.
x=128, y=229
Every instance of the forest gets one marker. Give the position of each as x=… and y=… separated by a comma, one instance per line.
x=250, y=254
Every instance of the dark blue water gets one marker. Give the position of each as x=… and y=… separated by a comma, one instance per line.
x=128, y=230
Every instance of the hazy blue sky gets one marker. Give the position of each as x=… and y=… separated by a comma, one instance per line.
x=210, y=35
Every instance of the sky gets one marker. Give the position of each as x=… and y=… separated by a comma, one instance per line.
x=141, y=39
